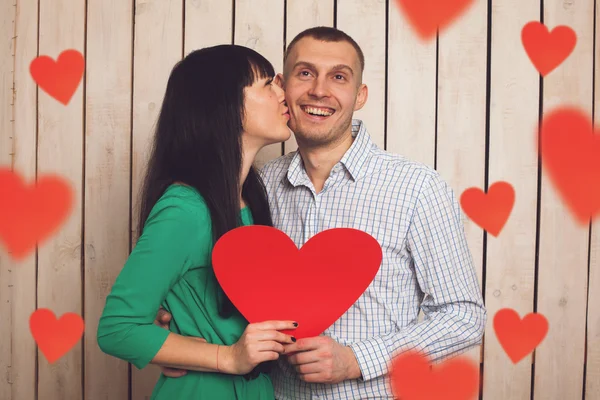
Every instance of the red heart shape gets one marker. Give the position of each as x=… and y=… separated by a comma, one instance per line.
x=30, y=214
x=570, y=150
x=490, y=211
x=547, y=50
x=59, y=79
x=427, y=16
x=519, y=337
x=55, y=337
x=267, y=278
x=413, y=378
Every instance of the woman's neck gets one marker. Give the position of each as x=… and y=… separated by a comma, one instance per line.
x=248, y=156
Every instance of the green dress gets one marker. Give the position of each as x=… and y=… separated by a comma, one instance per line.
x=171, y=266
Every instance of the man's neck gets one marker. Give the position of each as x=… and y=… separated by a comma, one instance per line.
x=319, y=161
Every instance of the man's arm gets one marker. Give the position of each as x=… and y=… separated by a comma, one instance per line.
x=455, y=315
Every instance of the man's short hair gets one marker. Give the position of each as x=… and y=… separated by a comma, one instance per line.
x=327, y=34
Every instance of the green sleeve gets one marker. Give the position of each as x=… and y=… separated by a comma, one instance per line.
x=161, y=256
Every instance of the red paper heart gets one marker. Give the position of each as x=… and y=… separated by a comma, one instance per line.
x=427, y=16
x=519, y=337
x=490, y=211
x=31, y=214
x=267, y=278
x=55, y=337
x=547, y=50
x=414, y=379
x=570, y=149
x=59, y=79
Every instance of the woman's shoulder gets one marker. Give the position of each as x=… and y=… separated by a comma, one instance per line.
x=184, y=202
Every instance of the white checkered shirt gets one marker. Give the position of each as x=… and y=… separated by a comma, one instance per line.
x=415, y=217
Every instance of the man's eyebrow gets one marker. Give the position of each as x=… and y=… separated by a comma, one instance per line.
x=313, y=67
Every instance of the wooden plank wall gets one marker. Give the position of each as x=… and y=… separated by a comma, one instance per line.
x=466, y=103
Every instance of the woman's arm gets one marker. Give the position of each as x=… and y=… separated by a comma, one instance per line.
x=163, y=253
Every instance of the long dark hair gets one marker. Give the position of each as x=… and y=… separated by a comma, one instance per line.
x=198, y=139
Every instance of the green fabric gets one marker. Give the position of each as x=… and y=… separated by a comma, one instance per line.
x=171, y=266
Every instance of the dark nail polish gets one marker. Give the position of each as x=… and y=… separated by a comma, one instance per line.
x=293, y=339
x=296, y=324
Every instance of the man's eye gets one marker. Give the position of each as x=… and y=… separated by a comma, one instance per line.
x=341, y=76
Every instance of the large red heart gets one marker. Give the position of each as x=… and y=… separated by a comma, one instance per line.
x=490, y=211
x=414, y=379
x=570, y=150
x=29, y=214
x=427, y=16
x=519, y=337
x=59, y=79
x=267, y=278
x=547, y=50
x=55, y=337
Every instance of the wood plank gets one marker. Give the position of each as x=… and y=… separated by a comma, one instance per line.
x=22, y=364
x=510, y=268
x=301, y=15
x=259, y=26
x=563, y=252
x=411, y=91
x=60, y=144
x=107, y=165
x=364, y=21
x=461, y=112
x=7, y=266
x=207, y=23
x=592, y=376
x=157, y=47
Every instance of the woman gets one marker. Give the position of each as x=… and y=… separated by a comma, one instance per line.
x=220, y=108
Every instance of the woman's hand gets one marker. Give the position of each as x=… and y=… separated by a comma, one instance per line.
x=260, y=342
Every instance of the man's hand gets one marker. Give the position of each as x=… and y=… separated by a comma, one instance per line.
x=162, y=319
x=323, y=360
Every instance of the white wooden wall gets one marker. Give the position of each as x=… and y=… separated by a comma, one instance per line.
x=466, y=103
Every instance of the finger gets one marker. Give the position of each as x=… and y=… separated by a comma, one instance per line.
x=306, y=344
x=199, y=339
x=312, y=378
x=275, y=325
x=305, y=357
x=163, y=316
x=311, y=368
x=272, y=335
x=173, y=372
x=270, y=346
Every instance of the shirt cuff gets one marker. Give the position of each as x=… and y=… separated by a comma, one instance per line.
x=138, y=347
x=373, y=358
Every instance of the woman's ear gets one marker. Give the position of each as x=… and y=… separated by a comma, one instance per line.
x=279, y=81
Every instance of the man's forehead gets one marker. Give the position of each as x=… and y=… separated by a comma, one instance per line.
x=323, y=54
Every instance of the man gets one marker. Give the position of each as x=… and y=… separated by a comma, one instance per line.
x=339, y=178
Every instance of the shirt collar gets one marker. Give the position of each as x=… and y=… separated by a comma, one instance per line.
x=354, y=160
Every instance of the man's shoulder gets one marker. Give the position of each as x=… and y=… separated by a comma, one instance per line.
x=401, y=166
x=276, y=168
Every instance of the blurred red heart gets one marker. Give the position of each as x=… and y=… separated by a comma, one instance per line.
x=547, y=50
x=414, y=379
x=427, y=16
x=570, y=150
x=55, y=337
x=267, y=278
x=60, y=78
x=30, y=214
x=489, y=210
x=519, y=337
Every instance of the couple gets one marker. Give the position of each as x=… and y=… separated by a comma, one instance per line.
x=222, y=105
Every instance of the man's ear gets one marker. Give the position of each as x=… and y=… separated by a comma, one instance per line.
x=279, y=81
x=361, y=97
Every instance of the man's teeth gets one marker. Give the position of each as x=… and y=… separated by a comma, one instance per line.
x=317, y=111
